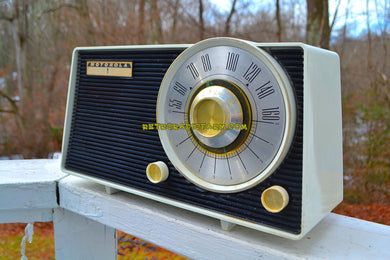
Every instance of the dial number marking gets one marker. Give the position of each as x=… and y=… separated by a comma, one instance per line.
x=270, y=114
x=175, y=103
x=206, y=62
x=194, y=72
x=265, y=90
x=252, y=72
x=179, y=88
x=232, y=61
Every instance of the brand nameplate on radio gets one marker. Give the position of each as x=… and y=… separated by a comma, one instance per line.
x=110, y=68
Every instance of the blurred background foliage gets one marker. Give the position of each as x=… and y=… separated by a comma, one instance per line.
x=37, y=39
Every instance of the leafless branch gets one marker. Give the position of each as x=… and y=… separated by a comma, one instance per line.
x=11, y=101
x=7, y=111
x=335, y=15
x=55, y=9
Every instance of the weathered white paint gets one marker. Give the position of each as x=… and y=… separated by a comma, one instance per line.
x=29, y=215
x=201, y=237
x=29, y=171
x=86, y=220
x=77, y=237
x=28, y=190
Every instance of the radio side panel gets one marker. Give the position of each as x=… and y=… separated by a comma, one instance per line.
x=322, y=154
x=69, y=108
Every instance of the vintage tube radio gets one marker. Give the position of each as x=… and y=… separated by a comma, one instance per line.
x=247, y=133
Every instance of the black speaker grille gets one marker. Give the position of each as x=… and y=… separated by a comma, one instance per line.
x=107, y=141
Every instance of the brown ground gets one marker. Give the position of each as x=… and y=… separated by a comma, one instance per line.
x=371, y=212
x=17, y=229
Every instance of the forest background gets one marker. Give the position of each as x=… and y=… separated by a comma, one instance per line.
x=37, y=39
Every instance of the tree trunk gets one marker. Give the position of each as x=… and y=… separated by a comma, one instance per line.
x=369, y=38
x=344, y=31
x=278, y=21
x=18, y=55
x=155, y=19
x=83, y=11
x=201, y=22
x=141, y=22
x=174, y=23
x=317, y=25
x=20, y=34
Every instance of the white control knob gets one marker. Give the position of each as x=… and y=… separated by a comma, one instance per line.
x=274, y=199
x=157, y=172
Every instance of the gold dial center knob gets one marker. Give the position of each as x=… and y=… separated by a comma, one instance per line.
x=218, y=115
x=210, y=111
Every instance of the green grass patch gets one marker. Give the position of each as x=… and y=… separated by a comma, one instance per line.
x=40, y=248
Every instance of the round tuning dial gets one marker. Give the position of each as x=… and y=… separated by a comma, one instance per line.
x=234, y=114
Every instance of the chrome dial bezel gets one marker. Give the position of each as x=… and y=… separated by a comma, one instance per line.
x=285, y=128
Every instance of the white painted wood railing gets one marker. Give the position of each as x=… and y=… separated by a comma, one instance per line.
x=86, y=218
